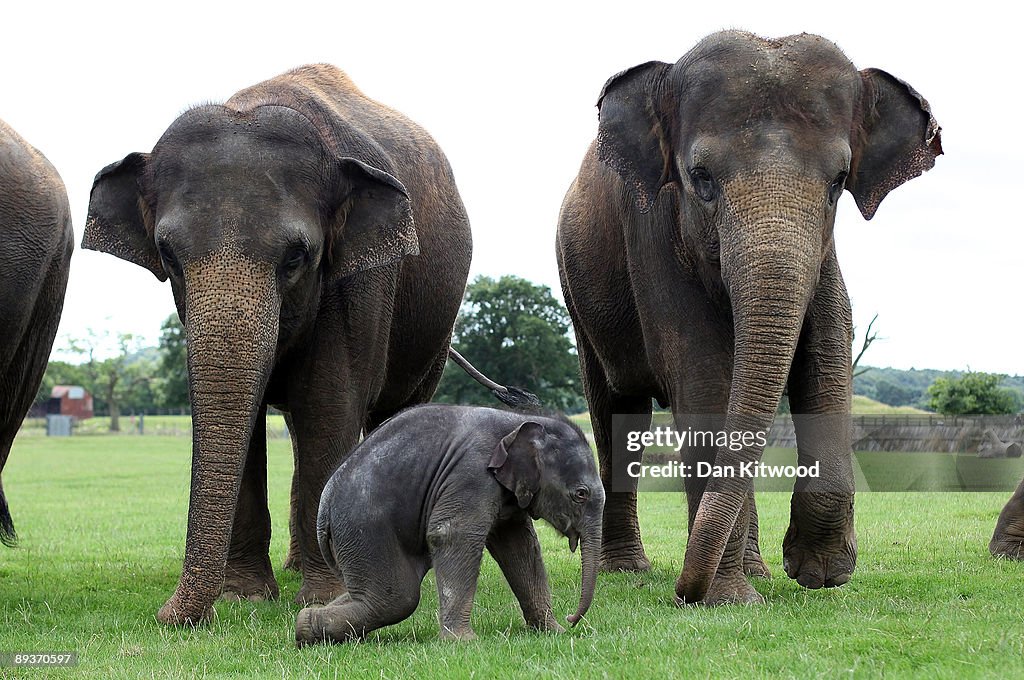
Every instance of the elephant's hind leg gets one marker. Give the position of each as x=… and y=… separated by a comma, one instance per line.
x=248, y=574
x=1008, y=538
x=369, y=604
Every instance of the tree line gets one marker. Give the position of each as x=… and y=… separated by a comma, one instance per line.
x=513, y=330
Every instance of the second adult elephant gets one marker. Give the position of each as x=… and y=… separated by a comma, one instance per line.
x=318, y=250
x=697, y=259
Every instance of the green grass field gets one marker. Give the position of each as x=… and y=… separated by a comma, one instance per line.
x=102, y=524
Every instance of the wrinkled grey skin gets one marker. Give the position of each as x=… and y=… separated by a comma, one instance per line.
x=36, y=241
x=283, y=219
x=1008, y=538
x=993, y=447
x=697, y=260
x=433, y=487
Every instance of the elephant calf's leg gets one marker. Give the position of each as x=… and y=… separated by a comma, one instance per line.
x=348, y=617
x=1008, y=538
x=456, y=569
x=515, y=548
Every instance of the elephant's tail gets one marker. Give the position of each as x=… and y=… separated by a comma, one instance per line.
x=515, y=397
x=7, y=535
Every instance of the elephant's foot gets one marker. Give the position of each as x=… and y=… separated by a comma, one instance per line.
x=175, y=612
x=820, y=547
x=320, y=591
x=815, y=565
x=731, y=589
x=461, y=635
x=625, y=560
x=253, y=582
x=625, y=554
x=545, y=623
x=753, y=564
x=1012, y=548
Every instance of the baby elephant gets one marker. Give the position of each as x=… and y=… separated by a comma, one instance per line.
x=434, y=486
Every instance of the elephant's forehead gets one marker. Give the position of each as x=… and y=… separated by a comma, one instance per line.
x=739, y=79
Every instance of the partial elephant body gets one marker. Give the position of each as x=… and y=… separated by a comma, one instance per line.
x=318, y=251
x=434, y=487
x=696, y=257
x=993, y=447
x=36, y=241
x=1008, y=538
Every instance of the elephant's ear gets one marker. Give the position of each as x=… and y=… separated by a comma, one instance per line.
x=516, y=461
x=632, y=137
x=900, y=139
x=373, y=224
x=118, y=215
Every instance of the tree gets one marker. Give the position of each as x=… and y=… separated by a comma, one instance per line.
x=973, y=393
x=516, y=332
x=172, y=387
x=122, y=379
x=869, y=338
x=892, y=394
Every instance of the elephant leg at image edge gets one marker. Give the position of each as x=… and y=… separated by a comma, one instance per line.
x=248, y=574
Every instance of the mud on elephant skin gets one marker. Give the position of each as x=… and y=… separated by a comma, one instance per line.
x=317, y=250
x=434, y=487
x=1008, y=537
x=697, y=260
x=36, y=241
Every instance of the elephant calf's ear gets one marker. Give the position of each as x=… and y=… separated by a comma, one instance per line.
x=631, y=137
x=900, y=141
x=117, y=222
x=373, y=225
x=516, y=461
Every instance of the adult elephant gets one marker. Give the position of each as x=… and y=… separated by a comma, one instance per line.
x=696, y=255
x=36, y=241
x=283, y=219
x=1008, y=538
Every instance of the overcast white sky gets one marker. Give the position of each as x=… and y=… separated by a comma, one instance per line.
x=509, y=92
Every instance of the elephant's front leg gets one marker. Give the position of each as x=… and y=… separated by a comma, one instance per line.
x=248, y=573
x=820, y=547
x=515, y=548
x=730, y=584
x=456, y=562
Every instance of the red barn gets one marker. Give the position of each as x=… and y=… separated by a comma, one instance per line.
x=70, y=400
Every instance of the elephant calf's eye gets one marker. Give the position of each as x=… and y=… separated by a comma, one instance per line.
x=835, y=190
x=703, y=184
x=581, y=494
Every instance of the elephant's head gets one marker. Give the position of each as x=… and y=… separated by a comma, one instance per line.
x=251, y=214
x=550, y=468
x=751, y=143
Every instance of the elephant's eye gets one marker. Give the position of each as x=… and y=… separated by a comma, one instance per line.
x=835, y=190
x=703, y=184
x=294, y=259
x=169, y=261
x=581, y=494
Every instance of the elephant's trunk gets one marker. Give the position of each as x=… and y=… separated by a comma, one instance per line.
x=591, y=557
x=231, y=309
x=771, y=259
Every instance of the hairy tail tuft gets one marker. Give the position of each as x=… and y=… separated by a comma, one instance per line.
x=517, y=398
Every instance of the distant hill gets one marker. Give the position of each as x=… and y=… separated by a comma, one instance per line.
x=897, y=387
